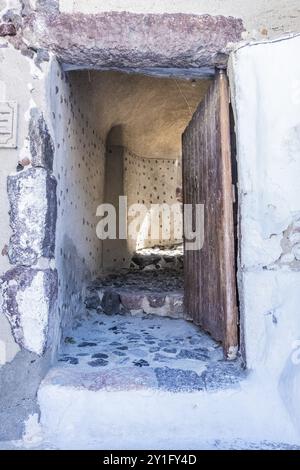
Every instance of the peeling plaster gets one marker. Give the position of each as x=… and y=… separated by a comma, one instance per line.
x=34, y=315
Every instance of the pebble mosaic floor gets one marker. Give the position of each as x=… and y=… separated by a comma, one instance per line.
x=121, y=351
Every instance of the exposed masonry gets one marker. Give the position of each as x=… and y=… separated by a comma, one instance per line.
x=41, y=143
x=107, y=39
x=290, y=244
x=32, y=195
x=28, y=297
x=122, y=39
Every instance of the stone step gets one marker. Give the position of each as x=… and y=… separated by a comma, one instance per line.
x=81, y=411
x=158, y=293
x=124, y=382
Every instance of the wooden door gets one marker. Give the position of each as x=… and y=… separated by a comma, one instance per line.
x=210, y=278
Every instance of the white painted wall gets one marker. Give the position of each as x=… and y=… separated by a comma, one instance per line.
x=266, y=91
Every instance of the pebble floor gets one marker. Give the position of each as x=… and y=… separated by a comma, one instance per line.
x=174, y=355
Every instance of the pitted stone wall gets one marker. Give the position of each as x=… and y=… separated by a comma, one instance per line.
x=152, y=181
x=79, y=169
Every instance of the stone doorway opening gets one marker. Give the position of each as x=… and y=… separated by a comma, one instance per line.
x=121, y=300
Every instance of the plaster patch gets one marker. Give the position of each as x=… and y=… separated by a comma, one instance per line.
x=2, y=352
x=32, y=195
x=28, y=296
x=33, y=431
x=34, y=315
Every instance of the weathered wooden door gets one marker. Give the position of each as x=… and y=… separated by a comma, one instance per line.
x=210, y=285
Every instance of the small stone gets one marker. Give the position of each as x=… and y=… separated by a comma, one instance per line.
x=142, y=261
x=110, y=302
x=141, y=363
x=24, y=162
x=98, y=363
x=69, y=340
x=119, y=353
x=132, y=300
x=100, y=356
x=133, y=337
x=86, y=344
x=163, y=344
x=70, y=360
x=160, y=358
x=170, y=350
x=195, y=340
x=154, y=349
x=92, y=302
x=157, y=300
x=192, y=354
x=7, y=29
x=123, y=348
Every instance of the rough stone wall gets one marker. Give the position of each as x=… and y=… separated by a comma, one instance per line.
x=79, y=170
x=261, y=18
x=267, y=107
x=28, y=282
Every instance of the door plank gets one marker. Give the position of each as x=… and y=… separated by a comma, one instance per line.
x=210, y=285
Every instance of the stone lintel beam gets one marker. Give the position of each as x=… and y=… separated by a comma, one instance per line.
x=131, y=40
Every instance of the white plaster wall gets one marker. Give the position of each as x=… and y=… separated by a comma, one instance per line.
x=261, y=17
x=266, y=90
x=151, y=181
x=79, y=169
x=21, y=81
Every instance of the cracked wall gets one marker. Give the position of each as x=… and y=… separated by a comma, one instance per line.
x=28, y=282
x=267, y=109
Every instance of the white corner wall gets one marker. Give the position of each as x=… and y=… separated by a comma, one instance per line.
x=265, y=81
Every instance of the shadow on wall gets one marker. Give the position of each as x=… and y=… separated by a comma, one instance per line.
x=74, y=277
x=116, y=253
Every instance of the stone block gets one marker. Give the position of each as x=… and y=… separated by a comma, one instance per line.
x=33, y=211
x=27, y=297
x=7, y=29
x=132, y=300
x=157, y=299
x=41, y=143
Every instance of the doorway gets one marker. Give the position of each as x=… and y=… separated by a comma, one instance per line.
x=123, y=138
